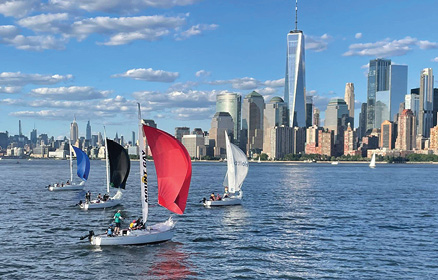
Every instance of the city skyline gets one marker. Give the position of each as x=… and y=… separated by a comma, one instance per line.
x=62, y=61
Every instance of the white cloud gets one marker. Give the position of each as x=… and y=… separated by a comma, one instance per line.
x=8, y=31
x=195, y=30
x=149, y=75
x=69, y=93
x=18, y=8
x=202, y=73
x=36, y=43
x=123, y=6
x=317, y=44
x=435, y=59
x=20, y=79
x=45, y=22
x=358, y=35
x=248, y=83
x=10, y=89
x=194, y=113
x=388, y=47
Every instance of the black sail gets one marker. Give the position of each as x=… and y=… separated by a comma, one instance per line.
x=119, y=164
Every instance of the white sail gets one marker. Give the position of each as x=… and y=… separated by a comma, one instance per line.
x=71, y=162
x=143, y=170
x=106, y=162
x=373, y=161
x=237, y=164
x=231, y=170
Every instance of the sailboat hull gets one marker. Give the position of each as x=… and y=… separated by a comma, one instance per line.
x=100, y=205
x=224, y=202
x=154, y=234
x=72, y=187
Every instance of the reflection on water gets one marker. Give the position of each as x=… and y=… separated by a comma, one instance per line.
x=170, y=262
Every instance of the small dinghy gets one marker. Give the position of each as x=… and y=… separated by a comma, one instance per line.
x=237, y=169
x=119, y=165
x=174, y=170
x=83, y=165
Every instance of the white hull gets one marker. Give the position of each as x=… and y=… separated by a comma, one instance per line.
x=335, y=162
x=154, y=234
x=224, y=202
x=73, y=187
x=372, y=166
x=102, y=204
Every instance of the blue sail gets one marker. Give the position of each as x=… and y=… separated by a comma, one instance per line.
x=83, y=163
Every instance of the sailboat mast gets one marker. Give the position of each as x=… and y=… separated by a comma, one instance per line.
x=71, y=162
x=143, y=170
x=106, y=162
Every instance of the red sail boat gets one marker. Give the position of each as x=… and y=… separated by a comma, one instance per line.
x=174, y=171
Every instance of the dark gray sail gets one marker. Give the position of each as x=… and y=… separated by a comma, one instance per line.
x=119, y=164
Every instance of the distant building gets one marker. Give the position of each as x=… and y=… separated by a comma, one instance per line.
x=350, y=142
x=362, y=121
x=326, y=142
x=387, y=135
x=387, y=86
x=425, y=116
x=231, y=103
x=434, y=138
x=316, y=117
x=221, y=122
x=309, y=110
x=406, y=139
x=298, y=140
x=312, y=140
x=180, y=132
x=195, y=145
x=275, y=114
x=74, y=131
x=33, y=136
x=88, y=132
x=349, y=99
x=252, y=122
x=281, y=138
x=336, y=119
x=198, y=131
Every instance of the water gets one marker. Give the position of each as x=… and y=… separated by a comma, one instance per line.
x=297, y=221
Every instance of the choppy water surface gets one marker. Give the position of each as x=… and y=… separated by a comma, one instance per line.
x=297, y=221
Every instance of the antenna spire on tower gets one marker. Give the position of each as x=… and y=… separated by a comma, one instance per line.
x=296, y=15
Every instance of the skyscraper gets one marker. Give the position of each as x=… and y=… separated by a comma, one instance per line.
x=221, y=122
x=295, y=80
x=231, y=103
x=181, y=131
x=387, y=135
x=349, y=98
x=337, y=119
x=387, y=87
x=88, y=132
x=316, y=116
x=252, y=122
x=33, y=136
x=362, y=121
x=19, y=128
x=425, y=116
x=74, y=131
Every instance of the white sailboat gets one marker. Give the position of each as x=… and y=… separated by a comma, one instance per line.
x=174, y=170
x=237, y=169
x=373, y=161
x=83, y=165
x=335, y=162
x=117, y=166
x=258, y=161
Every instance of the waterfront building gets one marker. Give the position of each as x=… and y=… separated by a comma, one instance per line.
x=312, y=139
x=387, y=86
x=349, y=99
x=298, y=140
x=435, y=106
x=407, y=130
x=181, y=131
x=295, y=81
x=412, y=102
x=326, y=142
x=195, y=145
x=387, y=135
x=434, y=138
x=275, y=114
x=252, y=122
x=74, y=131
x=221, y=122
x=231, y=103
x=425, y=116
x=281, y=142
x=88, y=132
x=336, y=119
x=316, y=116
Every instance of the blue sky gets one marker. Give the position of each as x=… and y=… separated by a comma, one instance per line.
x=96, y=59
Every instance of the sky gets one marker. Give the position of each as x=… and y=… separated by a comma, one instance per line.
x=94, y=60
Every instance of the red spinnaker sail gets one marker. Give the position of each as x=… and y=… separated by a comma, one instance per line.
x=173, y=166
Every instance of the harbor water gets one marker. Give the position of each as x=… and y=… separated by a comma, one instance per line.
x=297, y=221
